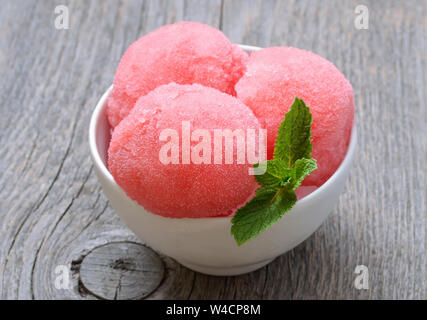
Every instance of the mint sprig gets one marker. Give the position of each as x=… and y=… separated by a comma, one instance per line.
x=294, y=138
x=290, y=165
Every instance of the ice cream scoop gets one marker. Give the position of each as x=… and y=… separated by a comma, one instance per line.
x=184, y=53
x=275, y=76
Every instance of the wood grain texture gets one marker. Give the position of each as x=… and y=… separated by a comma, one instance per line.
x=53, y=212
x=121, y=271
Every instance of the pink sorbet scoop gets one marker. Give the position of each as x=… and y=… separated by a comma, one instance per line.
x=184, y=53
x=181, y=190
x=275, y=76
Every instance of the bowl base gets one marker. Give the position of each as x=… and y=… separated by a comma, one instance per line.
x=225, y=271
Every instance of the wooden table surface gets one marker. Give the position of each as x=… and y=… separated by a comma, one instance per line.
x=55, y=219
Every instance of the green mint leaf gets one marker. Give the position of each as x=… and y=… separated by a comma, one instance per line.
x=277, y=174
x=294, y=137
x=303, y=167
x=284, y=174
x=266, y=208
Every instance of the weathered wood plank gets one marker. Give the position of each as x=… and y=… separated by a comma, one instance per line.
x=121, y=271
x=53, y=212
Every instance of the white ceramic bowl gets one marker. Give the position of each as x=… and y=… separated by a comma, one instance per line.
x=205, y=244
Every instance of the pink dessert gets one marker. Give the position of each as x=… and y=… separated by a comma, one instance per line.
x=275, y=76
x=304, y=191
x=184, y=53
x=180, y=190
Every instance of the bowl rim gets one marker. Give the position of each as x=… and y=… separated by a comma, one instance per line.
x=101, y=105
